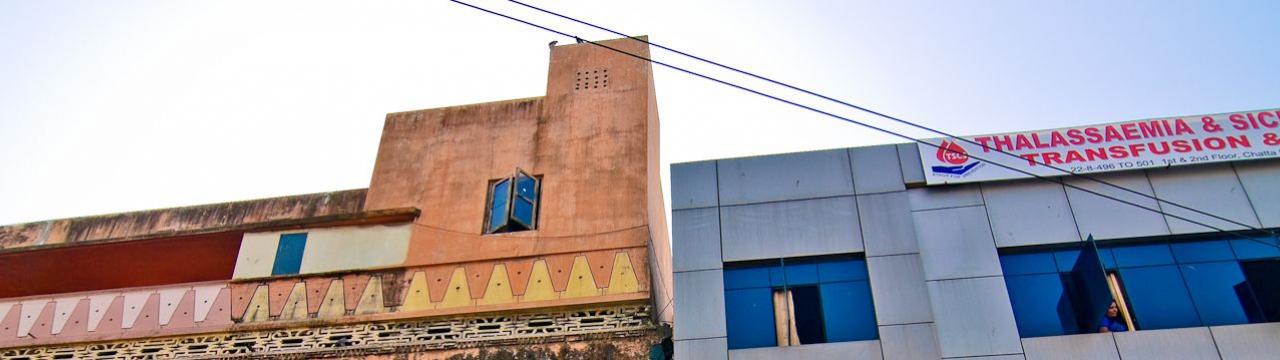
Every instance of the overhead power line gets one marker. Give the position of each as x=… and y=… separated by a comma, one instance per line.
x=898, y=120
x=886, y=131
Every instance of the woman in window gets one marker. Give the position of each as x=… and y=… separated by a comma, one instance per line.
x=1112, y=322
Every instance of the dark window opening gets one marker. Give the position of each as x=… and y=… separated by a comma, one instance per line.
x=513, y=203
x=1262, y=282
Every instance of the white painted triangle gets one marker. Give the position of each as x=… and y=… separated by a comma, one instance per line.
x=98, y=305
x=62, y=311
x=30, y=310
x=133, y=302
x=4, y=311
x=205, y=296
x=169, y=299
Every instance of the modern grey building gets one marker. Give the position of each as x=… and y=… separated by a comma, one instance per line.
x=847, y=254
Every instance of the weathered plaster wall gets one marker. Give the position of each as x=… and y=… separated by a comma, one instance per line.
x=142, y=223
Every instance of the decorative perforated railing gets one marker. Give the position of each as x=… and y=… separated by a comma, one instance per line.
x=371, y=338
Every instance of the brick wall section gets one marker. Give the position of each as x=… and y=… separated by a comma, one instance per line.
x=161, y=221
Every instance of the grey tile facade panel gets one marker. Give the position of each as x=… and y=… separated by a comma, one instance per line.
x=695, y=239
x=1070, y=347
x=838, y=350
x=785, y=177
x=876, y=169
x=1211, y=188
x=912, y=168
x=708, y=349
x=886, y=224
x=945, y=196
x=956, y=243
x=699, y=300
x=898, y=290
x=790, y=228
x=1096, y=215
x=1259, y=179
x=1029, y=212
x=1183, y=344
x=1250, y=341
x=693, y=185
x=974, y=317
x=909, y=342
x=997, y=357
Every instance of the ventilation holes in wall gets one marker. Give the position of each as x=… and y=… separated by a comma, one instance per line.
x=591, y=80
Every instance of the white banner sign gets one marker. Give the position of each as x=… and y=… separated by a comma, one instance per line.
x=1129, y=145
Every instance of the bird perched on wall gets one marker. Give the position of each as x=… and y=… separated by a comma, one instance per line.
x=579, y=39
x=552, y=44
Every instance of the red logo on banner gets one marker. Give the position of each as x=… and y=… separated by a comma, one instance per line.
x=952, y=153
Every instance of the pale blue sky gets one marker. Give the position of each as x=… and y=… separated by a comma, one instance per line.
x=111, y=106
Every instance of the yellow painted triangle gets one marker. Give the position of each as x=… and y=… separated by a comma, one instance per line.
x=499, y=289
x=581, y=282
x=419, y=296
x=623, y=278
x=458, y=294
x=332, y=305
x=295, y=307
x=539, y=287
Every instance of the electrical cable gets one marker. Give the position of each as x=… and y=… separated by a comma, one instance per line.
x=869, y=126
x=908, y=123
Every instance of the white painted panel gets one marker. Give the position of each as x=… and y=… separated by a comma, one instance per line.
x=695, y=239
x=1250, y=341
x=693, y=185
x=1029, y=212
x=974, y=317
x=62, y=311
x=1259, y=179
x=98, y=305
x=133, y=303
x=1083, y=346
x=941, y=197
x=1182, y=344
x=875, y=169
x=897, y=287
x=169, y=299
x=700, y=349
x=30, y=311
x=1212, y=188
x=780, y=177
x=257, y=255
x=909, y=342
x=887, y=228
x=1096, y=212
x=956, y=243
x=790, y=228
x=347, y=248
x=699, y=303
x=205, y=297
x=838, y=350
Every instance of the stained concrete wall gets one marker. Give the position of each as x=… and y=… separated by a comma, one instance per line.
x=159, y=222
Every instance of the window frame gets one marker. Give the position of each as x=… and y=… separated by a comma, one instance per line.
x=508, y=218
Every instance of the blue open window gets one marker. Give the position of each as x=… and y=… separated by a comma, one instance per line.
x=513, y=203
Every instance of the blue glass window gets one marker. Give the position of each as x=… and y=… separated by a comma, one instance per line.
x=289, y=254
x=1165, y=285
x=1219, y=292
x=513, y=204
x=823, y=299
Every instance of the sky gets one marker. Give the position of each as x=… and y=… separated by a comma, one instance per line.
x=115, y=106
